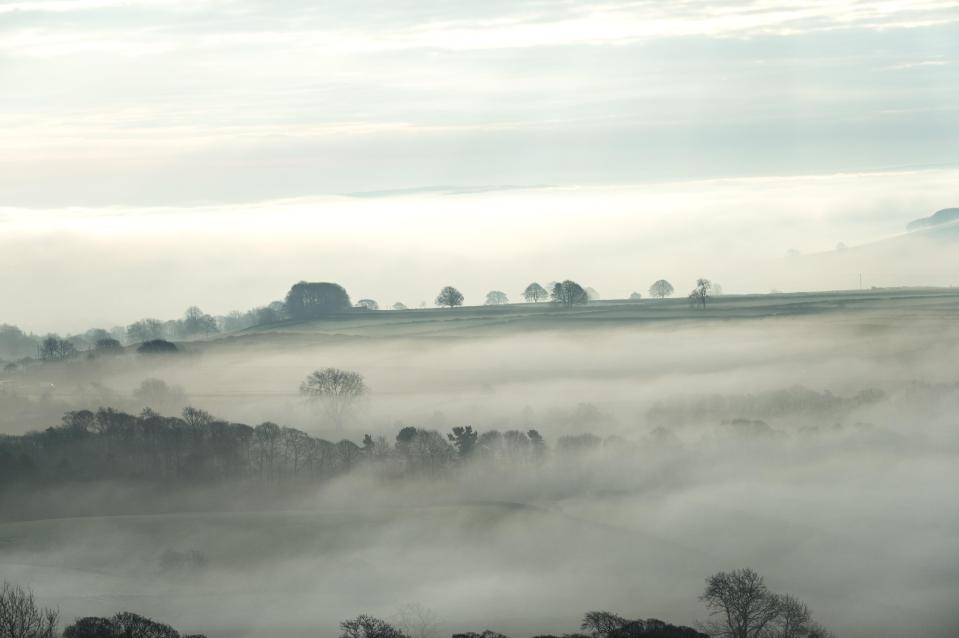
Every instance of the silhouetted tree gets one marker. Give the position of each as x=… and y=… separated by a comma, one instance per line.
x=90, y=627
x=157, y=346
x=417, y=621
x=337, y=389
x=399, y=306
x=635, y=296
x=122, y=625
x=463, y=439
x=22, y=617
x=700, y=294
x=740, y=599
x=16, y=344
x=307, y=300
x=449, y=297
x=108, y=346
x=367, y=304
x=818, y=631
x=196, y=322
x=537, y=444
x=145, y=330
x=794, y=618
x=53, y=348
x=496, y=298
x=368, y=627
x=535, y=293
x=661, y=288
x=602, y=623
x=569, y=293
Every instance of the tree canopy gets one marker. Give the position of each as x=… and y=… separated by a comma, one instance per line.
x=449, y=297
x=535, y=293
x=367, y=304
x=569, y=293
x=661, y=288
x=309, y=300
x=496, y=298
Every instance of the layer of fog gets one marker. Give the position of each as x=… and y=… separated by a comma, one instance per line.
x=844, y=499
x=85, y=268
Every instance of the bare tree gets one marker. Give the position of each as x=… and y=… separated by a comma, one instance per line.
x=368, y=304
x=368, y=627
x=336, y=389
x=54, y=348
x=21, y=617
x=449, y=297
x=661, y=288
x=602, y=623
x=416, y=621
x=535, y=293
x=195, y=322
x=742, y=601
x=794, y=618
x=818, y=631
x=700, y=294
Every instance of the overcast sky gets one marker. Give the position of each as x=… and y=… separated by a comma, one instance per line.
x=165, y=110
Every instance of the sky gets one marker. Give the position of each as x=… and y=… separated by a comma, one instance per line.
x=216, y=151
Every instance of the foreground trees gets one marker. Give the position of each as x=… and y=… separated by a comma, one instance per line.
x=336, y=389
x=746, y=608
x=22, y=617
x=122, y=625
x=368, y=627
x=449, y=297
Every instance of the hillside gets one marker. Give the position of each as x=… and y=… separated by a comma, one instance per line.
x=944, y=216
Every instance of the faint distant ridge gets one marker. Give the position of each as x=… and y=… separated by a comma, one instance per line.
x=944, y=216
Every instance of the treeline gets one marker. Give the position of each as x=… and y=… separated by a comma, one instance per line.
x=111, y=444
x=305, y=300
x=739, y=603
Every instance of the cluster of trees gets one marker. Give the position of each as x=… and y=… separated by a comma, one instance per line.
x=122, y=625
x=566, y=293
x=742, y=606
x=197, y=447
x=21, y=616
x=305, y=300
x=195, y=323
x=739, y=603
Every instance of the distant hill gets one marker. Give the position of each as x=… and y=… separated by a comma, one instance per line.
x=944, y=216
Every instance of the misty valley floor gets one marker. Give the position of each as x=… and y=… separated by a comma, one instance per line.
x=811, y=437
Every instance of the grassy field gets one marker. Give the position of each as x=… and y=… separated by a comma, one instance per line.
x=483, y=320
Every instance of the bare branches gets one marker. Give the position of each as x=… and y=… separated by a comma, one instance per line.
x=21, y=617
